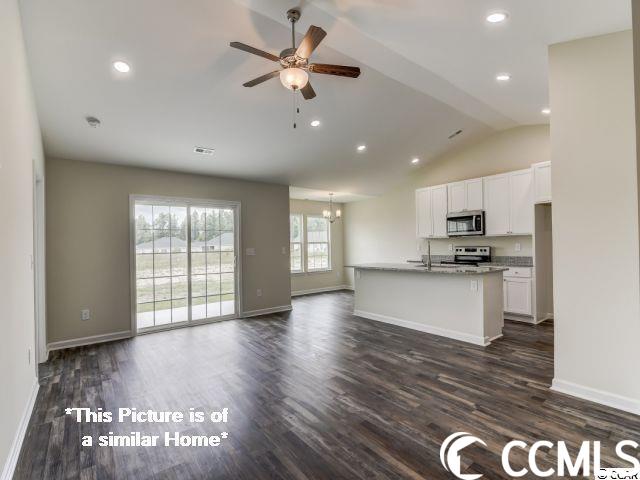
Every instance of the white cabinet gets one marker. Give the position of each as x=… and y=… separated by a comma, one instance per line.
x=475, y=194
x=431, y=212
x=518, y=291
x=508, y=203
x=517, y=295
x=465, y=195
x=541, y=182
x=496, y=205
x=521, y=203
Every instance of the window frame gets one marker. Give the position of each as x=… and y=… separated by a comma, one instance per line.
x=189, y=203
x=301, y=242
x=305, y=267
x=307, y=243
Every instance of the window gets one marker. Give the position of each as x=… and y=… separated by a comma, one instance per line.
x=317, y=243
x=309, y=243
x=295, y=233
x=185, y=264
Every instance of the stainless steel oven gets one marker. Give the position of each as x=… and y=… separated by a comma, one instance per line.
x=463, y=224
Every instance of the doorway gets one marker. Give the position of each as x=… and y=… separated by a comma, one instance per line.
x=185, y=262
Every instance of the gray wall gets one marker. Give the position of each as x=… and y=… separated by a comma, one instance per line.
x=20, y=159
x=88, y=246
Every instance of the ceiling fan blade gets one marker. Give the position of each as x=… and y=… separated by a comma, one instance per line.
x=255, y=51
x=340, y=70
x=263, y=78
x=310, y=41
x=307, y=91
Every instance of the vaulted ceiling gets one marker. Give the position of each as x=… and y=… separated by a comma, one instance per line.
x=428, y=69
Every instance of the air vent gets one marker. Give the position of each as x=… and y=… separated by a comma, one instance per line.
x=203, y=150
x=455, y=134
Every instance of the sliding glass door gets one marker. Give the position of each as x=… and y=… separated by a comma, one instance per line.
x=184, y=262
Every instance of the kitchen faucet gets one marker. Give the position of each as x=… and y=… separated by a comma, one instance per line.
x=428, y=262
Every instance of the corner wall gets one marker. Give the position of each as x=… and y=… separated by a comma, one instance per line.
x=88, y=241
x=319, y=281
x=20, y=159
x=596, y=267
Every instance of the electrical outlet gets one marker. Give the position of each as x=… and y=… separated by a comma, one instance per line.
x=284, y=250
x=85, y=314
x=518, y=247
x=338, y=273
x=259, y=292
x=474, y=285
x=451, y=247
x=251, y=251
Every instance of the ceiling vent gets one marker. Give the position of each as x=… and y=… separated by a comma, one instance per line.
x=203, y=150
x=455, y=134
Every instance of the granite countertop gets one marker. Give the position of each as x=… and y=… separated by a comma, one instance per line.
x=419, y=268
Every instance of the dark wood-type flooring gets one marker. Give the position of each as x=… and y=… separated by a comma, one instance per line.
x=313, y=394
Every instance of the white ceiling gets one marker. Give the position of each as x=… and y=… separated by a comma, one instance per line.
x=428, y=69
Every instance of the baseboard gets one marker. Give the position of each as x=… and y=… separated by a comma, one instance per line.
x=544, y=318
x=266, y=311
x=619, y=402
x=514, y=317
x=78, y=342
x=319, y=290
x=16, y=445
x=442, y=332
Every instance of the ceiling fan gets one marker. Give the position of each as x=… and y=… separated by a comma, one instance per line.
x=294, y=62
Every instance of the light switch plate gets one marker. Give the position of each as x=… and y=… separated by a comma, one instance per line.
x=474, y=285
x=451, y=247
x=251, y=251
x=518, y=247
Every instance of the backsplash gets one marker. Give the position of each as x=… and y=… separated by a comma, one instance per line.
x=500, y=246
x=509, y=261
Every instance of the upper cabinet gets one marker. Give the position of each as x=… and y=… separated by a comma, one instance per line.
x=465, y=195
x=508, y=203
x=431, y=212
x=507, y=200
x=541, y=182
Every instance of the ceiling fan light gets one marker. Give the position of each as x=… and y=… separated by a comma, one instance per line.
x=294, y=78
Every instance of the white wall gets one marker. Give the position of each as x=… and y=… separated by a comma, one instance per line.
x=383, y=229
x=20, y=146
x=595, y=219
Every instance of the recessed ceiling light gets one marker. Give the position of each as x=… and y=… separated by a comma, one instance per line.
x=315, y=123
x=503, y=77
x=362, y=148
x=546, y=111
x=497, y=17
x=415, y=160
x=121, y=67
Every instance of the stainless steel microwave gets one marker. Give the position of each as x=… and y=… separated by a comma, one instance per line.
x=463, y=224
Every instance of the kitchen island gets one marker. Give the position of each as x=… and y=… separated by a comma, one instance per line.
x=459, y=302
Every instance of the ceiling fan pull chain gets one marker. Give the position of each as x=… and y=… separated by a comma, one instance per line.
x=293, y=113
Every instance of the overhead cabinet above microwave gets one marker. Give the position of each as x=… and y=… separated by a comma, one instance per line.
x=465, y=195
